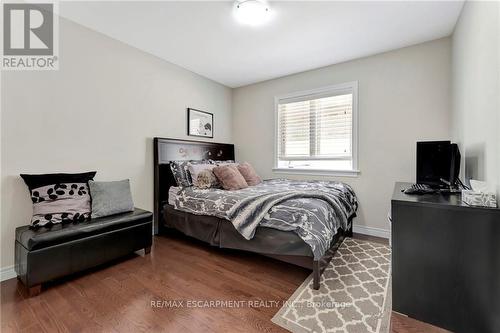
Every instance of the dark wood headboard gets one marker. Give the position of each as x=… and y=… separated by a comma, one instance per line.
x=167, y=150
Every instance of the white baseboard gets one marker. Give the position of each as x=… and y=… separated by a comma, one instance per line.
x=371, y=231
x=7, y=273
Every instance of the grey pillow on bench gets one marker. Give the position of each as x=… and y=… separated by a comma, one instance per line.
x=109, y=198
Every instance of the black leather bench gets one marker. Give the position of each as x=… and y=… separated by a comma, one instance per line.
x=45, y=254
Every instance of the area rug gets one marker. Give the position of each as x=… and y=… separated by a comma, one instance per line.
x=354, y=294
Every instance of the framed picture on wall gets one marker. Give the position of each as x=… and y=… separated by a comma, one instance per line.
x=200, y=123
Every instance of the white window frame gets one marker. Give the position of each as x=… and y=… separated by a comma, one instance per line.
x=354, y=172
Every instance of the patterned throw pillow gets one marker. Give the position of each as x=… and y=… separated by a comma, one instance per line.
x=206, y=179
x=196, y=169
x=181, y=172
x=59, y=198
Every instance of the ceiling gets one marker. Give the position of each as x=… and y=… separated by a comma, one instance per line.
x=204, y=37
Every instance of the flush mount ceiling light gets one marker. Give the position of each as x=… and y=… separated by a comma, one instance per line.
x=252, y=12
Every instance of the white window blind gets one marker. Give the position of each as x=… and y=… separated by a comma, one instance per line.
x=317, y=127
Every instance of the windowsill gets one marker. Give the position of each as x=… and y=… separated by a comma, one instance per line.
x=318, y=172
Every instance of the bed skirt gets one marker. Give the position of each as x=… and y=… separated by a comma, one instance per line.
x=285, y=246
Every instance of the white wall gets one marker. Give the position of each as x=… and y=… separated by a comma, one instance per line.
x=98, y=112
x=476, y=90
x=404, y=96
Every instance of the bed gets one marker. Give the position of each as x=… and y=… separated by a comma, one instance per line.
x=211, y=227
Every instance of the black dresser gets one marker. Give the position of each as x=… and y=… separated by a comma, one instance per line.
x=446, y=261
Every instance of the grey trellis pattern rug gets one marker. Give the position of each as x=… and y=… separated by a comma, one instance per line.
x=354, y=295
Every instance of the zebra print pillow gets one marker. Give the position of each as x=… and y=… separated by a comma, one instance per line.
x=180, y=170
x=67, y=202
x=59, y=198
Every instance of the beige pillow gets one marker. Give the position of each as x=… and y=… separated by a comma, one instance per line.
x=206, y=179
x=195, y=169
x=229, y=177
x=248, y=172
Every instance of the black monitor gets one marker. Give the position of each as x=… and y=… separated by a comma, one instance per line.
x=438, y=163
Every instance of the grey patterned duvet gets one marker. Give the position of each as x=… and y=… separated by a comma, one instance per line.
x=315, y=210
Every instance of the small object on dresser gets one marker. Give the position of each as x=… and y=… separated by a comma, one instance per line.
x=480, y=195
x=418, y=189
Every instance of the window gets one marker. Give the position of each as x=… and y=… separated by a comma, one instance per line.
x=316, y=131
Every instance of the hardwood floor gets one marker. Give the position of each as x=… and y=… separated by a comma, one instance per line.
x=128, y=295
x=403, y=324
